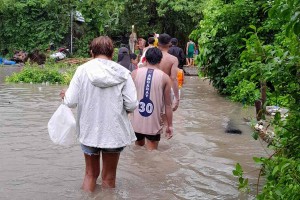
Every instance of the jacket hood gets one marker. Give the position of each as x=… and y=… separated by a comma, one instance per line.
x=106, y=73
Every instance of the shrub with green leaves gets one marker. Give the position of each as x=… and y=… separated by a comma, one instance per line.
x=245, y=91
x=220, y=36
x=50, y=72
x=275, y=62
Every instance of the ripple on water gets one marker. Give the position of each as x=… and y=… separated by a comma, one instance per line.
x=195, y=164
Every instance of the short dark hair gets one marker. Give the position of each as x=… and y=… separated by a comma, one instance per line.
x=102, y=45
x=133, y=56
x=164, y=39
x=153, y=56
x=174, y=41
x=151, y=40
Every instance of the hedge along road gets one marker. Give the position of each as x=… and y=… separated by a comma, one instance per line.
x=196, y=163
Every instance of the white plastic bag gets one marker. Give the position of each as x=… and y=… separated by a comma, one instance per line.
x=62, y=126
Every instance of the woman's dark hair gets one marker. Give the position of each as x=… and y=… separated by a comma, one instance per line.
x=153, y=56
x=124, y=57
x=102, y=45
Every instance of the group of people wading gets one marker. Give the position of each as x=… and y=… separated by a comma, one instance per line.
x=118, y=104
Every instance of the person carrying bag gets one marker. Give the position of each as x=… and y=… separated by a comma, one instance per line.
x=62, y=126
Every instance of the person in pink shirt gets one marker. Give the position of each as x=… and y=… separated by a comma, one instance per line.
x=154, y=95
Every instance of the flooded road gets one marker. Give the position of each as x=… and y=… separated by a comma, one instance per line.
x=196, y=163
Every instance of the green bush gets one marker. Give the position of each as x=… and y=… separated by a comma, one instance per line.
x=220, y=36
x=274, y=61
x=245, y=91
x=28, y=25
x=51, y=72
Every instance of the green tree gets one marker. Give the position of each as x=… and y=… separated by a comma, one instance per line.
x=32, y=24
x=102, y=16
x=220, y=35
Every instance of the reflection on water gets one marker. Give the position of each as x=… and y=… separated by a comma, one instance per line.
x=196, y=163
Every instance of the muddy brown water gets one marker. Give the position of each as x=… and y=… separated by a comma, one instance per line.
x=196, y=163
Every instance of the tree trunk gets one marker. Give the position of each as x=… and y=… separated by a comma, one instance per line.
x=263, y=89
x=258, y=108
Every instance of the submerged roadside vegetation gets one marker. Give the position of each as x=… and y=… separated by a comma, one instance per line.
x=249, y=49
x=50, y=72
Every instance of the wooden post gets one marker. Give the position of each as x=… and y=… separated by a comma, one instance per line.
x=71, y=39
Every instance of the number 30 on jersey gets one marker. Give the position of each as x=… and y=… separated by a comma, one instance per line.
x=145, y=108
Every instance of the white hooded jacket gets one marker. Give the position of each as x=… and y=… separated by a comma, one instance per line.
x=103, y=92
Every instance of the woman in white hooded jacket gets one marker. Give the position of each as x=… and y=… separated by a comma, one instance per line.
x=104, y=94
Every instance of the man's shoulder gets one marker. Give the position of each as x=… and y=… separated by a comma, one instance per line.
x=169, y=59
x=159, y=71
x=144, y=70
x=167, y=55
x=172, y=57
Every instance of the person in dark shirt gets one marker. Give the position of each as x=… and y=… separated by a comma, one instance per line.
x=177, y=52
x=134, y=61
x=124, y=58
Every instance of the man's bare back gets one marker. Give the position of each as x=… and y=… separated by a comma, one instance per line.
x=169, y=65
x=168, y=62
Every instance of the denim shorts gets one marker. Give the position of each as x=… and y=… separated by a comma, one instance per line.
x=96, y=151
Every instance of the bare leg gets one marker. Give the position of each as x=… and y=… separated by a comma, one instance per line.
x=140, y=142
x=131, y=47
x=152, y=145
x=92, y=171
x=109, y=170
x=187, y=62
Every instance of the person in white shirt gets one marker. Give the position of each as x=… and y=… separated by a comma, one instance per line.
x=132, y=40
x=104, y=94
x=151, y=41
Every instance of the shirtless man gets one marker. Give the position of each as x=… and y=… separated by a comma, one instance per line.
x=154, y=94
x=169, y=64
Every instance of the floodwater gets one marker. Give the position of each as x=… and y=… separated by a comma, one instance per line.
x=196, y=163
